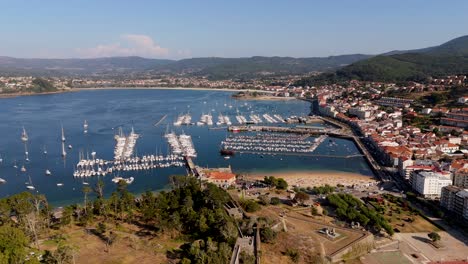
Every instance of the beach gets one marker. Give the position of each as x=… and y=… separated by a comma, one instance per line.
x=315, y=178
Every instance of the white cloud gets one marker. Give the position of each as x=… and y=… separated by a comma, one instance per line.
x=131, y=45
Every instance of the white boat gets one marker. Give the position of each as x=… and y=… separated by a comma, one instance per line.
x=2, y=181
x=47, y=172
x=45, y=151
x=85, y=126
x=127, y=180
x=85, y=183
x=70, y=146
x=59, y=184
x=24, y=135
x=1, y=159
x=29, y=184
x=63, y=135
x=23, y=169
x=226, y=157
x=64, y=153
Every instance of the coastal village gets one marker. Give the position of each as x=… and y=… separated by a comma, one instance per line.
x=417, y=149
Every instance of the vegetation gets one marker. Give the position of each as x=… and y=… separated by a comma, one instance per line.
x=250, y=205
x=293, y=254
x=189, y=211
x=267, y=235
x=325, y=189
x=278, y=183
x=275, y=201
x=301, y=197
x=41, y=85
x=350, y=208
x=447, y=59
x=434, y=236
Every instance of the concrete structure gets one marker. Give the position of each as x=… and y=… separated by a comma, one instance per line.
x=429, y=184
x=460, y=178
x=455, y=199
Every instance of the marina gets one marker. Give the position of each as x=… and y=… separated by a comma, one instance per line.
x=155, y=149
x=271, y=143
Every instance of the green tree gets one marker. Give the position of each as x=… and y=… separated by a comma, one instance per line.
x=434, y=236
x=301, y=197
x=13, y=244
x=268, y=235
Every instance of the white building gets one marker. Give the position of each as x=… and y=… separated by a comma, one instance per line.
x=362, y=113
x=428, y=183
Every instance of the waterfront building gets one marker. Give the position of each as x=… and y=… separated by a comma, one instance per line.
x=428, y=183
x=222, y=177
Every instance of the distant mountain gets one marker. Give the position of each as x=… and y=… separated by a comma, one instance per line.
x=412, y=65
x=58, y=67
x=216, y=68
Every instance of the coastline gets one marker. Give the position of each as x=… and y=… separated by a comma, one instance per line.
x=162, y=88
x=315, y=178
x=12, y=95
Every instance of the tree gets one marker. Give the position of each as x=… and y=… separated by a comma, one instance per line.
x=434, y=236
x=267, y=235
x=301, y=197
x=275, y=201
x=86, y=190
x=264, y=199
x=281, y=184
x=13, y=244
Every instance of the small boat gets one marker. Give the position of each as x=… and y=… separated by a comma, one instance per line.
x=2, y=181
x=47, y=172
x=85, y=183
x=29, y=184
x=70, y=146
x=59, y=184
x=227, y=157
x=63, y=135
x=45, y=151
x=127, y=180
x=23, y=169
x=24, y=135
x=64, y=153
x=85, y=126
x=1, y=159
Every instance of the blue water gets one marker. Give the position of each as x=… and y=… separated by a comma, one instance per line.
x=106, y=110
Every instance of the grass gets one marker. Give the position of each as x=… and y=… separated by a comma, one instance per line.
x=398, y=217
x=128, y=247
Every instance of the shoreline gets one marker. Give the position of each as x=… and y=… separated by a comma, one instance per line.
x=162, y=88
x=12, y=95
x=316, y=178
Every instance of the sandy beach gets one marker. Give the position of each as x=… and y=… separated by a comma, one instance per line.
x=316, y=178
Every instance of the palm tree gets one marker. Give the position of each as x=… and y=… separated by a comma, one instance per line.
x=86, y=190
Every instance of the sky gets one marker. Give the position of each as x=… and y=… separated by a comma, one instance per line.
x=176, y=29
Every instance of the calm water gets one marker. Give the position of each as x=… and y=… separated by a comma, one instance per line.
x=106, y=110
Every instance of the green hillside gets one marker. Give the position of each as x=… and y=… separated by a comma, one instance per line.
x=417, y=65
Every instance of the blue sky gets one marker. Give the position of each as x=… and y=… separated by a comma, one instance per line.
x=241, y=28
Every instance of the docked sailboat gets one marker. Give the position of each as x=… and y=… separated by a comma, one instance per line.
x=2, y=181
x=85, y=126
x=23, y=169
x=59, y=184
x=47, y=172
x=45, y=151
x=24, y=135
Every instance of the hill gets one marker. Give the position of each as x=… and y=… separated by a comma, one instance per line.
x=414, y=65
x=215, y=68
